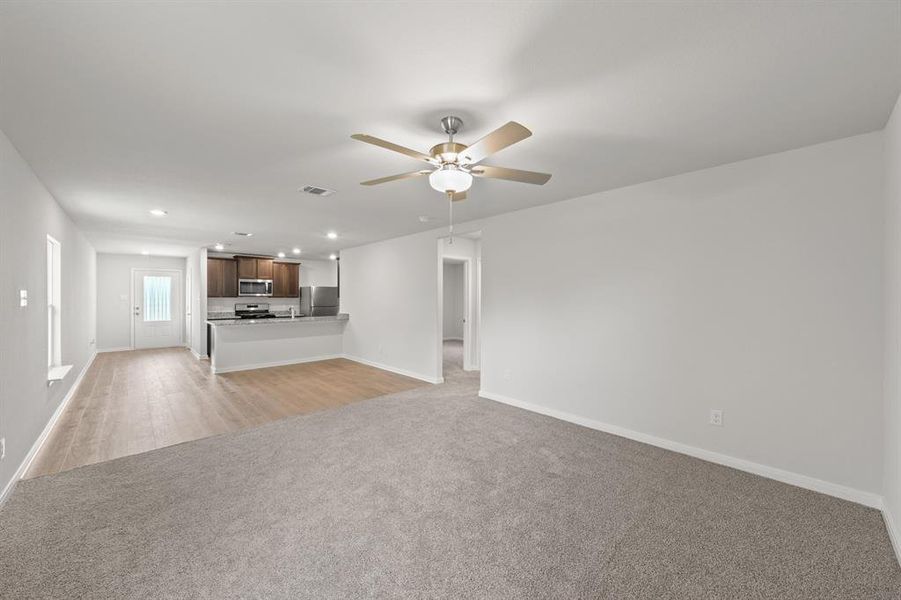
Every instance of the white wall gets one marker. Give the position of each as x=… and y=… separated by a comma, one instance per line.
x=453, y=301
x=753, y=287
x=318, y=272
x=390, y=290
x=114, y=308
x=892, y=383
x=196, y=266
x=28, y=213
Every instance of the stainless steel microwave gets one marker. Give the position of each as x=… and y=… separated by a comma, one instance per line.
x=254, y=287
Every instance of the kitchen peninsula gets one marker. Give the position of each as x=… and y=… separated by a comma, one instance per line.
x=242, y=344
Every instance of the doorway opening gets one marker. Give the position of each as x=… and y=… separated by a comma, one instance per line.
x=459, y=297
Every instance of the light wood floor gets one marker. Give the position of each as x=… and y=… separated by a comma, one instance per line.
x=131, y=402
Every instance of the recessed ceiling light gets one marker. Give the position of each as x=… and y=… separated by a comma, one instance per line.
x=145, y=252
x=158, y=212
x=219, y=246
x=332, y=256
x=296, y=251
x=281, y=255
x=332, y=235
x=242, y=233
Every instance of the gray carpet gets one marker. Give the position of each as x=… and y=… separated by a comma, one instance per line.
x=432, y=493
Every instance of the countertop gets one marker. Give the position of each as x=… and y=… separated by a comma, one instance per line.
x=279, y=321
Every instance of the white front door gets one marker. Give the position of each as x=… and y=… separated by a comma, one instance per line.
x=158, y=307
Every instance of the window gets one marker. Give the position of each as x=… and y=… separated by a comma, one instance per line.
x=157, y=295
x=54, y=296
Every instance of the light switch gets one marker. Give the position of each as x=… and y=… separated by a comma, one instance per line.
x=23, y=297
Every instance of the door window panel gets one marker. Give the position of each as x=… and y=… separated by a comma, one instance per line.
x=157, y=296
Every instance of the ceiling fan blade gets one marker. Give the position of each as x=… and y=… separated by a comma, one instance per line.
x=511, y=174
x=497, y=140
x=395, y=177
x=392, y=146
x=459, y=196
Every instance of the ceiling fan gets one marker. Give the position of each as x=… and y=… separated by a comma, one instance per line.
x=453, y=165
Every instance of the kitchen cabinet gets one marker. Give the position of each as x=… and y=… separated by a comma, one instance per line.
x=285, y=280
x=213, y=278
x=264, y=268
x=247, y=267
x=229, y=279
x=250, y=267
x=221, y=278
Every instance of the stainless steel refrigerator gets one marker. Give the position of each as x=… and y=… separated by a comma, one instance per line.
x=319, y=301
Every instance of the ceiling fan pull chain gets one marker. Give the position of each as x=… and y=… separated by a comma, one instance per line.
x=450, y=217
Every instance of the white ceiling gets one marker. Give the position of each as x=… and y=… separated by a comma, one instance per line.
x=219, y=112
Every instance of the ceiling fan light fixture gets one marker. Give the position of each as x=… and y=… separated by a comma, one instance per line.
x=450, y=179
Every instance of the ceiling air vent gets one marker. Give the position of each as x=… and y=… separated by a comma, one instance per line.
x=316, y=191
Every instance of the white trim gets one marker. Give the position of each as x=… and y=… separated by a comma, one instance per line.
x=122, y=349
x=811, y=483
x=404, y=372
x=57, y=373
x=893, y=533
x=197, y=354
x=278, y=363
x=38, y=443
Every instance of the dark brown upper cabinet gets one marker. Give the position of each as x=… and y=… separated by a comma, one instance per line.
x=251, y=267
x=264, y=268
x=247, y=267
x=221, y=278
x=229, y=279
x=285, y=280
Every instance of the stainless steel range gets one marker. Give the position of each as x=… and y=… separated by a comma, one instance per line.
x=253, y=311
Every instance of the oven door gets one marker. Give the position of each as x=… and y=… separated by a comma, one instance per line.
x=254, y=287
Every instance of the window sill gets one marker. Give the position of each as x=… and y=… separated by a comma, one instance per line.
x=57, y=373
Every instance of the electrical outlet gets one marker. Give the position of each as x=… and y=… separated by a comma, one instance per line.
x=2, y=448
x=716, y=417
x=23, y=298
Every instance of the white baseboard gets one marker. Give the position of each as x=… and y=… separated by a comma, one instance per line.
x=404, y=372
x=36, y=447
x=122, y=349
x=811, y=483
x=893, y=533
x=280, y=363
x=196, y=354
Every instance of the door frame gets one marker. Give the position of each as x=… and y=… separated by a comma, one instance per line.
x=180, y=302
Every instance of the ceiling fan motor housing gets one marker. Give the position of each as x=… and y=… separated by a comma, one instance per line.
x=447, y=152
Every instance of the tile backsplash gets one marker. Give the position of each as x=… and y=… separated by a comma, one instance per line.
x=228, y=304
